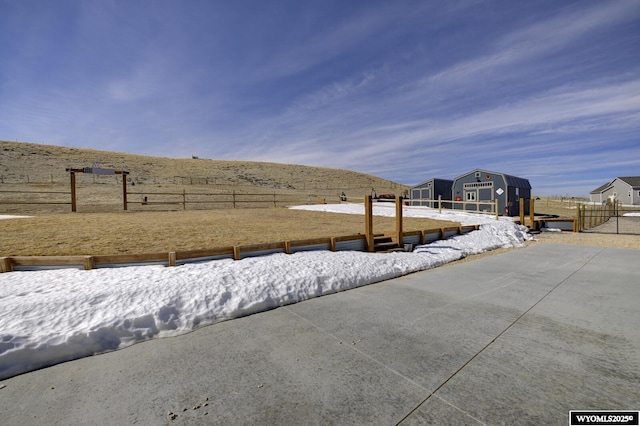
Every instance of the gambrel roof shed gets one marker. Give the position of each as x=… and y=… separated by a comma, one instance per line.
x=431, y=189
x=484, y=185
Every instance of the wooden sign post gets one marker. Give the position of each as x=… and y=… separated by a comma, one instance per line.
x=73, y=191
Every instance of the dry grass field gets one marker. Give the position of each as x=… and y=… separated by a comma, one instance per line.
x=558, y=206
x=102, y=227
x=151, y=232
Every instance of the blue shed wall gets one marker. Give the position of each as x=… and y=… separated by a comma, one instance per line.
x=431, y=190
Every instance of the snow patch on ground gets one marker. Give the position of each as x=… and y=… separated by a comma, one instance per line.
x=9, y=216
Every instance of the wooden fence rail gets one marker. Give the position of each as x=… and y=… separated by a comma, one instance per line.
x=232, y=199
x=487, y=206
x=607, y=218
x=34, y=200
x=341, y=243
x=590, y=216
x=182, y=199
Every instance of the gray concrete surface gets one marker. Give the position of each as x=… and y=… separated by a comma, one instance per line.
x=518, y=338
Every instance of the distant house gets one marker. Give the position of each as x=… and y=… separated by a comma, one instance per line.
x=483, y=185
x=431, y=190
x=625, y=190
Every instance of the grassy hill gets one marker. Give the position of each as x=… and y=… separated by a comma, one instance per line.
x=25, y=166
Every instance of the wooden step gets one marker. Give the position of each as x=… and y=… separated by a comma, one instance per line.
x=383, y=243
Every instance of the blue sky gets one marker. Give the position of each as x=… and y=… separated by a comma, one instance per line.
x=404, y=90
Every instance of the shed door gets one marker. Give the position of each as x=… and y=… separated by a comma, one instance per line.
x=477, y=192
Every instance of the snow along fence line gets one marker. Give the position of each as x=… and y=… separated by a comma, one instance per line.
x=343, y=243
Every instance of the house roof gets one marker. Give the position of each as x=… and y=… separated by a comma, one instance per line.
x=601, y=188
x=433, y=180
x=517, y=182
x=513, y=181
x=631, y=180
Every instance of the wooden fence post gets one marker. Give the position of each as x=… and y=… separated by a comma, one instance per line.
x=89, y=263
x=5, y=264
x=124, y=189
x=73, y=191
x=522, y=211
x=368, y=222
x=531, y=212
x=399, y=239
x=602, y=220
x=439, y=203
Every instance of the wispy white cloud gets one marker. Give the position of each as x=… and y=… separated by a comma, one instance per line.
x=548, y=112
x=333, y=40
x=540, y=39
x=554, y=129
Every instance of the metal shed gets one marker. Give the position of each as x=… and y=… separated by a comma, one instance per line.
x=483, y=185
x=430, y=190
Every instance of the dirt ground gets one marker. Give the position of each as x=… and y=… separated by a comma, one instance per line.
x=591, y=239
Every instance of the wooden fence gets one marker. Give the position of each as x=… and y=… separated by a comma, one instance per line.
x=148, y=200
x=489, y=206
x=343, y=243
x=229, y=199
x=590, y=216
x=33, y=197
x=325, y=185
x=608, y=218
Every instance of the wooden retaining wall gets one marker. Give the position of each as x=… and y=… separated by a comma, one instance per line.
x=343, y=243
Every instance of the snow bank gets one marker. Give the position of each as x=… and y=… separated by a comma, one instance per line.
x=389, y=210
x=54, y=316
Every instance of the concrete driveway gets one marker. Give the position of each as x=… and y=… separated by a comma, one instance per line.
x=518, y=338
